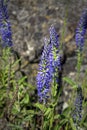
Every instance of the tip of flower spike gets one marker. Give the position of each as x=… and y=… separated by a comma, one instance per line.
x=54, y=37
x=81, y=30
x=52, y=30
x=46, y=41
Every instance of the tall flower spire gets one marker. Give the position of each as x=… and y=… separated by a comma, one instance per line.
x=49, y=65
x=77, y=113
x=54, y=56
x=5, y=26
x=81, y=30
x=43, y=76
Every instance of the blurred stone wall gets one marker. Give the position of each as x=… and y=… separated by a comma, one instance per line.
x=31, y=20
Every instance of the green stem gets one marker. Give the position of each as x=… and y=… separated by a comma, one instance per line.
x=79, y=63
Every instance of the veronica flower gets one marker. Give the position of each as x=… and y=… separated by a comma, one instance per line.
x=49, y=65
x=77, y=113
x=5, y=26
x=54, y=56
x=43, y=76
x=81, y=30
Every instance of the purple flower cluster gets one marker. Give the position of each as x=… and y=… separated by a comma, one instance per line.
x=49, y=65
x=77, y=113
x=81, y=30
x=5, y=26
x=43, y=76
x=54, y=56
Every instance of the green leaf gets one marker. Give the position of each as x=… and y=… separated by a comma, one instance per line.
x=16, y=62
x=40, y=106
x=56, y=127
x=21, y=80
x=70, y=81
x=66, y=112
x=28, y=118
x=57, y=116
x=85, y=124
x=31, y=112
x=72, y=124
x=25, y=99
x=16, y=108
x=15, y=127
x=60, y=124
x=48, y=111
x=46, y=125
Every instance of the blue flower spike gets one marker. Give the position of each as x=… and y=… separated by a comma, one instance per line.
x=49, y=65
x=54, y=56
x=43, y=76
x=5, y=26
x=81, y=30
x=77, y=113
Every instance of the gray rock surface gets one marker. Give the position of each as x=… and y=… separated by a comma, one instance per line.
x=31, y=21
